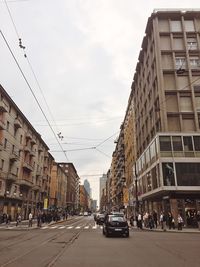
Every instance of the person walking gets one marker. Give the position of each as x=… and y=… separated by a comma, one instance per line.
x=198, y=219
x=18, y=219
x=140, y=220
x=180, y=222
x=169, y=218
x=155, y=218
x=30, y=220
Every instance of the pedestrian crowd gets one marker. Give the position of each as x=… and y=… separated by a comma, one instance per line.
x=165, y=220
x=40, y=216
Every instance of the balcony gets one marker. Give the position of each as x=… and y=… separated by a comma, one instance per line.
x=25, y=182
x=32, y=153
x=27, y=166
x=33, y=141
x=36, y=187
x=40, y=148
x=2, y=125
x=3, y=107
x=14, y=156
x=12, y=177
x=28, y=135
x=17, y=123
x=27, y=149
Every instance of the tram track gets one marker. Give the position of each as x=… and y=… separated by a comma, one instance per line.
x=36, y=247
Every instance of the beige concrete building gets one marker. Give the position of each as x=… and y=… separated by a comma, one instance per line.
x=73, y=181
x=25, y=163
x=58, y=187
x=166, y=92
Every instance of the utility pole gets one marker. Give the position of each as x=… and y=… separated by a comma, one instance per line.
x=136, y=190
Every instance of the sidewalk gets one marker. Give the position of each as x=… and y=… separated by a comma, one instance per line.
x=158, y=229
x=23, y=225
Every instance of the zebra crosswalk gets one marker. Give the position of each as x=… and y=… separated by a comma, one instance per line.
x=69, y=227
x=90, y=226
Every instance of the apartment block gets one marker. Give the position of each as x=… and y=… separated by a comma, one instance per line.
x=58, y=187
x=73, y=180
x=166, y=93
x=25, y=162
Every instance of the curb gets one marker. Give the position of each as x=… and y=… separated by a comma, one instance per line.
x=184, y=231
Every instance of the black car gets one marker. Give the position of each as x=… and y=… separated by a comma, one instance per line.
x=115, y=225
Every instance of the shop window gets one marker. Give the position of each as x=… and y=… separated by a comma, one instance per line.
x=168, y=174
x=188, y=174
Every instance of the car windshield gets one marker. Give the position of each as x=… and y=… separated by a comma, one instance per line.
x=116, y=219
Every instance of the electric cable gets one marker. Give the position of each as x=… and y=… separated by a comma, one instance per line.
x=30, y=88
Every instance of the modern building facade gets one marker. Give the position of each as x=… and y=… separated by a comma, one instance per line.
x=87, y=186
x=166, y=93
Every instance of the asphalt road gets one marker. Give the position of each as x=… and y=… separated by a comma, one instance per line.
x=80, y=242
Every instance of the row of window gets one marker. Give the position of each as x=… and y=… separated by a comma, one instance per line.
x=172, y=144
x=179, y=174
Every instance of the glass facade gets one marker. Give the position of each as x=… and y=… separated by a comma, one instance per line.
x=188, y=174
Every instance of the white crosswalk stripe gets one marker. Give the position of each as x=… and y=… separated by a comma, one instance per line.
x=60, y=227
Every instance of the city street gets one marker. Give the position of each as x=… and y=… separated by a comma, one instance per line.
x=79, y=242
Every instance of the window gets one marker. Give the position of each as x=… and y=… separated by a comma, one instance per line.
x=192, y=43
x=189, y=26
x=194, y=62
x=187, y=140
x=168, y=174
x=7, y=126
x=185, y=103
x=2, y=164
x=165, y=143
x=188, y=174
x=5, y=143
x=180, y=62
x=196, y=143
x=175, y=26
x=177, y=143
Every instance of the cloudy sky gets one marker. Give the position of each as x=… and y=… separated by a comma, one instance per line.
x=81, y=57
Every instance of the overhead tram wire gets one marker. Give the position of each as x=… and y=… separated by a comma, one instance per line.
x=30, y=88
x=30, y=66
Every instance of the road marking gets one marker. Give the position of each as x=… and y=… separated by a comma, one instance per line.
x=78, y=227
x=101, y=227
x=45, y=227
x=86, y=227
x=61, y=227
x=70, y=227
x=53, y=227
x=94, y=227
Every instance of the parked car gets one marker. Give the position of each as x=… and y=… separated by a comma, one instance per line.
x=115, y=225
x=100, y=219
x=85, y=213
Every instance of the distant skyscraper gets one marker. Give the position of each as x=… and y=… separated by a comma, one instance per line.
x=102, y=185
x=87, y=187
